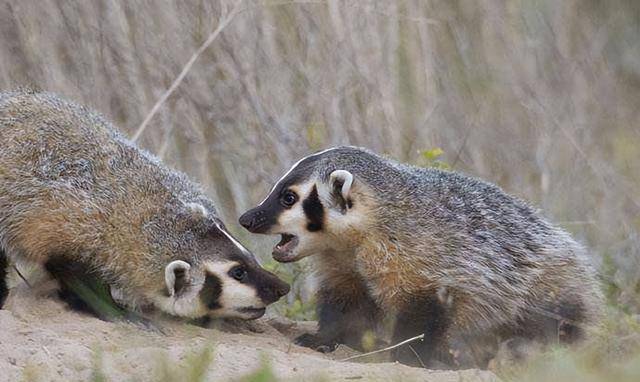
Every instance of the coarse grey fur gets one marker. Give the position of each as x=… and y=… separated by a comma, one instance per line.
x=484, y=263
x=72, y=187
x=484, y=243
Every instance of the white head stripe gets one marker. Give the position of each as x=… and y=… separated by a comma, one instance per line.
x=235, y=242
x=292, y=168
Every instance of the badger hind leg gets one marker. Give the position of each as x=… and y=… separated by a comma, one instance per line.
x=4, y=288
x=561, y=322
x=570, y=323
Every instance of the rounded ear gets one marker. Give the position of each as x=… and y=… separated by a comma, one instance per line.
x=175, y=275
x=342, y=180
x=197, y=210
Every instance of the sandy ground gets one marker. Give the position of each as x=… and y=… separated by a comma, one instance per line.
x=40, y=339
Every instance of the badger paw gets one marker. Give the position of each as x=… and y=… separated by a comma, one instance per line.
x=316, y=343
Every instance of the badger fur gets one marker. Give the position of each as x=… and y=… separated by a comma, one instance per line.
x=77, y=197
x=440, y=253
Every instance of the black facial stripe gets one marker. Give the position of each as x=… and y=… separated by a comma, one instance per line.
x=314, y=211
x=211, y=291
x=261, y=218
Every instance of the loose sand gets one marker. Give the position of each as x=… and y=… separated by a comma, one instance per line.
x=40, y=339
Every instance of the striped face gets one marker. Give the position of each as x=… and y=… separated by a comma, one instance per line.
x=229, y=282
x=238, y=289
x=298, y=215
x=309, y=212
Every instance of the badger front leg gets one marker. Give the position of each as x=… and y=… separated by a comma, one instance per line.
x=346, y=315
x=431, y=317
x=83, y=290
x=4, y=288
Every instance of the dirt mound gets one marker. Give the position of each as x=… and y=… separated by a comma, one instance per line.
x=41, y=340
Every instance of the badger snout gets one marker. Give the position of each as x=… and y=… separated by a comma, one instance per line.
x=247, y=220
x=255, y=221
x=272, y=289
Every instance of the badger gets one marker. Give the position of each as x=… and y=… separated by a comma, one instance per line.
x=433, y=251
x=80, y=200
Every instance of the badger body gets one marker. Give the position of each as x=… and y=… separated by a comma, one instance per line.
x=74, y=191
x=443, y=254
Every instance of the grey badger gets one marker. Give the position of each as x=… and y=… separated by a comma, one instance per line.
x=444, y=254
x=83, y=201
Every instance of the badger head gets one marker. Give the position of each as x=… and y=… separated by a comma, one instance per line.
x=316, y=206
x=219, y=278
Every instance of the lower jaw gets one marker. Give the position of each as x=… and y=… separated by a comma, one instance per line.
x=251, y=313
x=284, y=257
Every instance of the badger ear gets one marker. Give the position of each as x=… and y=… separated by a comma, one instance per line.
x=175, y=276
x=341, y=182
x=197, y=210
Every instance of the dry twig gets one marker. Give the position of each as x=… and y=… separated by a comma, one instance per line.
x=420, y=337
x=224, y=21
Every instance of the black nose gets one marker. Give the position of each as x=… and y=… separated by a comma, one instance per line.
x=257, y=220
x=272, y=293
x=283, y=290
x=247, y=220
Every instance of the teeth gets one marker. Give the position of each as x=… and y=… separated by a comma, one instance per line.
x=287, y=243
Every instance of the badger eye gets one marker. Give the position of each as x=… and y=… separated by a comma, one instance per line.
x=289, y=199
x=238, y=273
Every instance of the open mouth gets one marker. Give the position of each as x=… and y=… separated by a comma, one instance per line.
x=252, y=313
x=282, y=252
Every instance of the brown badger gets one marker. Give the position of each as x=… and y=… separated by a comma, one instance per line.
x=441, y=253
x=76, y=196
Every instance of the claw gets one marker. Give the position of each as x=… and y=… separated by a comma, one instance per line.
x=316, y=343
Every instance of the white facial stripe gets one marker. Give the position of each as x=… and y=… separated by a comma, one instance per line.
x=187, y=304
x=183, y=306
x=221, y=267
x=294, y=220
x=238, y=295
x=235, y=242
x=292, y=168
x=234, y=294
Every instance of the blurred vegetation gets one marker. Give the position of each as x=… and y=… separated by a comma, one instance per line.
x=611, y=354
x=540, y=97
x=298, y=305
x=97, y=372
x=432, y=158
x=263, y=374
x=195, y=368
